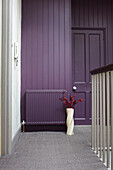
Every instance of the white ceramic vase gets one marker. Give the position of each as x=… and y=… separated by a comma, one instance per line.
x=70, y=121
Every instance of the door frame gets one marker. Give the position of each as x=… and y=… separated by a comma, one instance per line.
x=6, y=77
x=0, y=65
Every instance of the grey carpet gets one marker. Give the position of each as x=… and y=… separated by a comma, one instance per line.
x=53, y=151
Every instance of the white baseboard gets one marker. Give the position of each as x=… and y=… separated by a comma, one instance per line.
x=15, y=139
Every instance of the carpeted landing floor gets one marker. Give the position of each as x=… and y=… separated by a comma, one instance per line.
x=53, y=151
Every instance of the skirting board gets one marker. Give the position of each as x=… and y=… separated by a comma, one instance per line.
x=36, y=128
x=15, y=139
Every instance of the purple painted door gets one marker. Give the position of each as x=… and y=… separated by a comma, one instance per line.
x=87, y=54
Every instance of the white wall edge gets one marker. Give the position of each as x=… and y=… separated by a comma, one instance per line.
x=16, y=69
x=6, y=120
x=0, y=66
x=15, y=139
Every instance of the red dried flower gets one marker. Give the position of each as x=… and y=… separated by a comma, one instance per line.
x=80, y=100
x=65, y=98
x=72, y=102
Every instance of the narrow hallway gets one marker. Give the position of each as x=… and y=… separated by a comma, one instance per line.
x=53, y=151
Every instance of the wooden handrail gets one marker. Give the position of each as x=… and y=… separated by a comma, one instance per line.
x=102, y=69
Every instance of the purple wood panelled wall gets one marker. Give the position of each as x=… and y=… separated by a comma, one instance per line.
x=95, y=14
x=46, y=46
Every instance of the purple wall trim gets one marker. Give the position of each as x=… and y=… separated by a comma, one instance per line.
x=46, y=46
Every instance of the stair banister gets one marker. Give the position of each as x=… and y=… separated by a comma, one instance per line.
x=102, y=113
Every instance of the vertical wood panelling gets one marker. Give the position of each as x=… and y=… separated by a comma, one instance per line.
x=109, y=32
x=76, y=12
x=97, y=14
x=104, y=14
x=100, y=17
x=81, y=14
x=28, y=45
x=56, y=44
x=34, y=41
x=90, y=14
x=67, y=34
x=86, y=13
x=46, y=42
x=61, y=44
x=51, y=67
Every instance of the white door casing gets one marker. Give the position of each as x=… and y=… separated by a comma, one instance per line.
x=6, y=77
x=0, y=65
